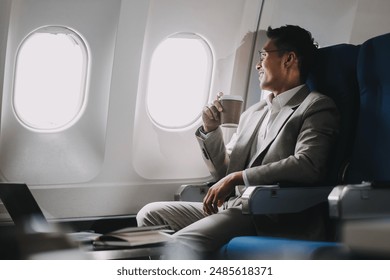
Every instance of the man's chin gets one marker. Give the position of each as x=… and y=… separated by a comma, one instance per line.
x=262, y=85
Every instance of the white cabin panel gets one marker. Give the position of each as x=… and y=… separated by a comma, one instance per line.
x=74, y=154
x=168, y=153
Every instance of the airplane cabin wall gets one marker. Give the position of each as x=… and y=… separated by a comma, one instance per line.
x=5, y=7
x=124, y=180
x=121, y=158
x=161, y=153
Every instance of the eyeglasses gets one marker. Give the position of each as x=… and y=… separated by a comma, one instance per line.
x=263, y=53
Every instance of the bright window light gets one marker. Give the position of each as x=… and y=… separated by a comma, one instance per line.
x=50, y=79
x=179, y=81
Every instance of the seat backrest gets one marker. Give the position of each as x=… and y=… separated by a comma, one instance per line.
x=334, y=74
x=371, y=153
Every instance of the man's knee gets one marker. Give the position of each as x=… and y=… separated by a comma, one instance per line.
x=147, y=215
x=176, y=215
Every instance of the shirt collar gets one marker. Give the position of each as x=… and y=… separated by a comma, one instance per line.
x=281, y=99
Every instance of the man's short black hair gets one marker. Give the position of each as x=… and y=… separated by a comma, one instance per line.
x=296, y=39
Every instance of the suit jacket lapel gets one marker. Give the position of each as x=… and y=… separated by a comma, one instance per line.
x=280, y=120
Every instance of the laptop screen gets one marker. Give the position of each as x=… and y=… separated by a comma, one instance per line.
x=20, y=203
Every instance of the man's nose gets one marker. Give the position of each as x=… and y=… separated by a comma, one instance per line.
x=258, y=65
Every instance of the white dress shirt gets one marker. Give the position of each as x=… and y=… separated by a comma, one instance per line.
x=274, y=104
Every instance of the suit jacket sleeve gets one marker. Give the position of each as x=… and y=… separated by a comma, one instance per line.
x=214, y=152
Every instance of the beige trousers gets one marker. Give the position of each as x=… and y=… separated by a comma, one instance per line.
x=197, y=234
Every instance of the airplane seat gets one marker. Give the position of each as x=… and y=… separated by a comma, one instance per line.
x=371, y=156
x=362, y=206
x=333, y=74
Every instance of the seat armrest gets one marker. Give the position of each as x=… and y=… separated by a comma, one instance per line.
x=192, y=192
x=276, y=199
x=360, y=201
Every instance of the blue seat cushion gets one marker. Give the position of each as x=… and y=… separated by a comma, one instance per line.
x=272, y=248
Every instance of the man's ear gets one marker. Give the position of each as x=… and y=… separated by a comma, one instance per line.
x=290, y=59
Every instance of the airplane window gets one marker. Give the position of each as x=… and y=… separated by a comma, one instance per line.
x=179, y=81
x=50, y=79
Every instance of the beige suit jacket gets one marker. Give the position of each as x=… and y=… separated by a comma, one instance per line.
x=296, y=148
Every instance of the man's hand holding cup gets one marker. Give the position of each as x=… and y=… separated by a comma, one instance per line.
x=225, y=111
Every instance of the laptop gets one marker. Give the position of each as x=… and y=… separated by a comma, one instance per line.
x=23, y=208
x=20, y=203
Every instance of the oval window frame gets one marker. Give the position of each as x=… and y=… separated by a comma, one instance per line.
x=206, y=85
x=83, y=85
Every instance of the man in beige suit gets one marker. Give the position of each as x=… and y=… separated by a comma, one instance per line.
x=287, y=137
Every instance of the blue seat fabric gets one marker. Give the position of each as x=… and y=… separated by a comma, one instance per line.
x=334, y=74
x=371, y=155
x=271, y=248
